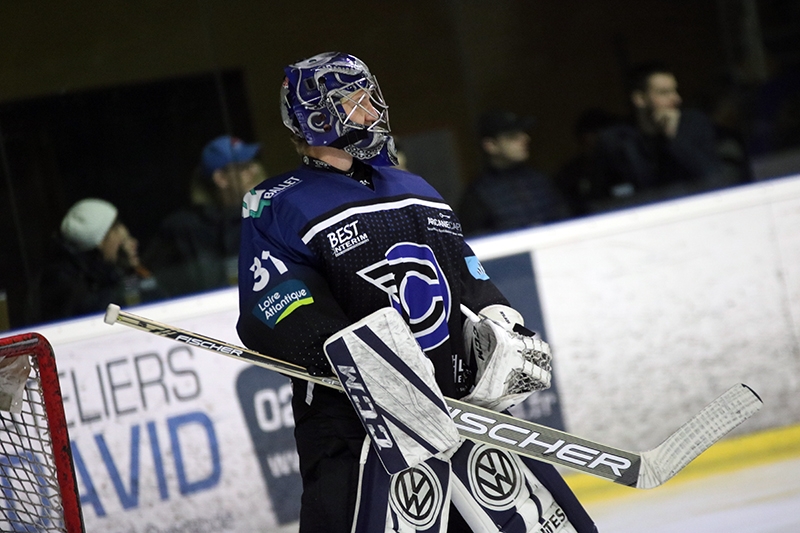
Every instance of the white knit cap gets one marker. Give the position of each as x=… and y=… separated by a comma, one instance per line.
x=87, y=223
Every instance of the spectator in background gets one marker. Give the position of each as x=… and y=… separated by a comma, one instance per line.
x=94, y=262
x=508, y=194
x=663, y=151
x=574, y=179
x=196, y=248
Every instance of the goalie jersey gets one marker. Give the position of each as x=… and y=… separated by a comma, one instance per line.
x=322, y=249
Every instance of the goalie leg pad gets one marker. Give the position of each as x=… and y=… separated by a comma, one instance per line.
x=391, y=384
x=414, y=500
x=494, y=491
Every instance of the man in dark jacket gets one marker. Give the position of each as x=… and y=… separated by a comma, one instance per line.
x=664, y=151
x=508, y=194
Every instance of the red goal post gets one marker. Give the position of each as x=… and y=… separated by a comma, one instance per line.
x=38, y=489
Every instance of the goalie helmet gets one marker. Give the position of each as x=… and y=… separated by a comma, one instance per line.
x=312, y=97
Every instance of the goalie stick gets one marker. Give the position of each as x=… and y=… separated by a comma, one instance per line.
x=641, y=470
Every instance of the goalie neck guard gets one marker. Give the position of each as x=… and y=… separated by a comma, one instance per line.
x=311, y=107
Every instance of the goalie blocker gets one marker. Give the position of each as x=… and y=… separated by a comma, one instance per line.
x=390, y=382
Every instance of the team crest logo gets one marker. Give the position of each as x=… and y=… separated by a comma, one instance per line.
x=495, y=478
x=417, y=289
x=416, y=495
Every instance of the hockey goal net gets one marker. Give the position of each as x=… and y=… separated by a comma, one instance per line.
x=38, y=490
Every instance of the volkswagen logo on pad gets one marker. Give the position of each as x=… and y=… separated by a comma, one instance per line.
x=494, y=476
x=416, y=495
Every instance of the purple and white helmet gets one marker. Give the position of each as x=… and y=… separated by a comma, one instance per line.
x=311, y=106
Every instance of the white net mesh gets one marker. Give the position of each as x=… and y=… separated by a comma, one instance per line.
x=30, y=498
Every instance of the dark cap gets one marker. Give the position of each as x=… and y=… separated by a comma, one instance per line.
x=225, y=150
x=494, y=123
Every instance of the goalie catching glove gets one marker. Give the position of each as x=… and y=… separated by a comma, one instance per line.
x=513, y=362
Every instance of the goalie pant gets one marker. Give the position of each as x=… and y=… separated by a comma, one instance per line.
x=491, y=491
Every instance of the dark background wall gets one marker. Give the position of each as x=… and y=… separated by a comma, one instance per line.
x=439, y=62
x=116, y=98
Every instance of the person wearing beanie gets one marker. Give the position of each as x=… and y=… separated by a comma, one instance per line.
x=87, y=223
x=94, y=261
x=196, y=248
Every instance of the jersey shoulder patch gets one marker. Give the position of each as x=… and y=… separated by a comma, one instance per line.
x=257, y=199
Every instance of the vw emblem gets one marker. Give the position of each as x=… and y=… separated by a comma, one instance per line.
x=494, y=476
x=416, y=495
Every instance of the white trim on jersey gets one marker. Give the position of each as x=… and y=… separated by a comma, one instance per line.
x=372, y=208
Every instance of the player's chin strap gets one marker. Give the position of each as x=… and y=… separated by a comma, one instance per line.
x=385, y=156
x=351, y=137
x=513, y=362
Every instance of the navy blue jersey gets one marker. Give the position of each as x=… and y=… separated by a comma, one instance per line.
x=320, y=251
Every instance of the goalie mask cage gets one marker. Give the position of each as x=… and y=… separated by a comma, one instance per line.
x=38, y=489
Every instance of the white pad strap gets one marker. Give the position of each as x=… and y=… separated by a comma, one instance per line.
x=390, y=382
